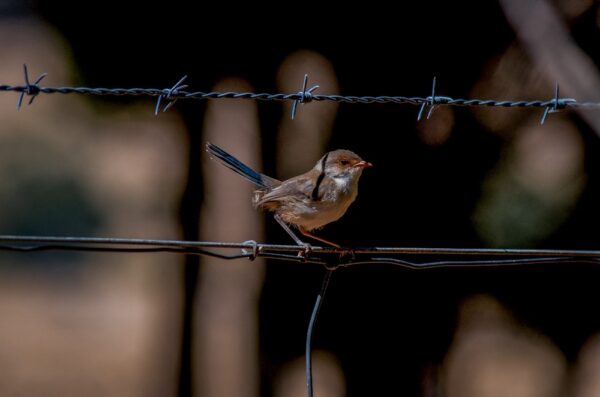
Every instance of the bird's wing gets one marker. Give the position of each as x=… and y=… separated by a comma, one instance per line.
x=299, y=188
x=242, y=169
x=309, y=186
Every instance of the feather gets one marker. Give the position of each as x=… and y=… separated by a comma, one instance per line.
x=240, y=168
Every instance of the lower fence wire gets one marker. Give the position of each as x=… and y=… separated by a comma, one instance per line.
x=330, y=258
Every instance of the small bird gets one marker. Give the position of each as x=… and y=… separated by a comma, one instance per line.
x=308, y=201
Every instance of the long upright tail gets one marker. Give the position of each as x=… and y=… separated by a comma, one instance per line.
x=240, y=168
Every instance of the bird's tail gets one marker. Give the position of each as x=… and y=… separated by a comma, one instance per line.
x=242, y=169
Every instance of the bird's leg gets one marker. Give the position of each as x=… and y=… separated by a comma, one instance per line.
x=344, y=252
x=289, y=231
x=307, y=246
x=307, y=234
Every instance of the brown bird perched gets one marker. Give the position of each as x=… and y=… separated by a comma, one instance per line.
x=308, y=201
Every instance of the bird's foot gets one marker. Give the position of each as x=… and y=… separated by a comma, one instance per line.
x=346, y=254
x=305, y=251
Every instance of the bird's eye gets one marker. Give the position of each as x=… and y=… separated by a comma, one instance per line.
x=344, y=162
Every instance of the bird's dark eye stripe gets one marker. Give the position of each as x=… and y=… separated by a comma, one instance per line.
x=344, y=162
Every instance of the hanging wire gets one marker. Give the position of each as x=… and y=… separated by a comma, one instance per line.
x=310, y=331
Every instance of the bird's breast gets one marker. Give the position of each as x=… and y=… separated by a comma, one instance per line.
x=317, y=214
x=312, y=211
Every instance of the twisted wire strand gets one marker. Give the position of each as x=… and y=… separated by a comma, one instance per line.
x=305, y=97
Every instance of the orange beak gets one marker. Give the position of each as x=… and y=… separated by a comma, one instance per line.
x=363, y=164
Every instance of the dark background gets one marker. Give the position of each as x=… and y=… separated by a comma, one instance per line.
x=385, y=324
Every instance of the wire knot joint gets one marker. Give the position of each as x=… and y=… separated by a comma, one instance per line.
x=254, y=253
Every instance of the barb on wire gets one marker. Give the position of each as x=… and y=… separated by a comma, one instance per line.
x=170, y=95
x=305, y=95
x=29, y=89
x=429, y=101
x=556, y=104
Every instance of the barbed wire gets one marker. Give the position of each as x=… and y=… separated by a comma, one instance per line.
x=305, y=95
x=329, y=257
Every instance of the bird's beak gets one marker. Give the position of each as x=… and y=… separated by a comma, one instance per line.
x=363, y=164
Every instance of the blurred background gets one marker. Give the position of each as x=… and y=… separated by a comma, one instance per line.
x=161, y=325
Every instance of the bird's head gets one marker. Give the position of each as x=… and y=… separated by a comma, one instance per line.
x=342, y=164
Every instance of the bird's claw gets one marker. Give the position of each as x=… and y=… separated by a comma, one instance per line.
x=346, y=254
x=305, y=251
